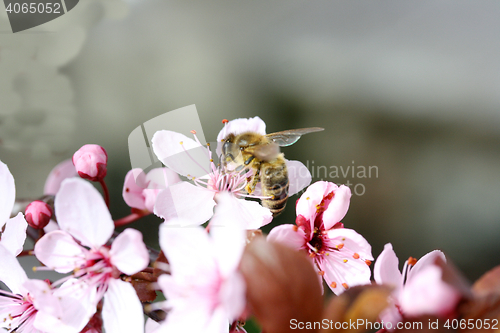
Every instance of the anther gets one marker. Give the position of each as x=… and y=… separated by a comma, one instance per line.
x=345, y=261
x=321, y=273
x=295, y=228
x=412, y=261
x=333, y=285
x=225, y=121
x=181, y=142
x=193, y=132
x=345, y=286
x=355, y=256
x=368, y=262
x=340, y=246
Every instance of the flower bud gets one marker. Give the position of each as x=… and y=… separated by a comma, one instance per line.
x=90, y=162
x=38, y=214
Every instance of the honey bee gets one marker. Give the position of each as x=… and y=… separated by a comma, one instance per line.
x=261, y=153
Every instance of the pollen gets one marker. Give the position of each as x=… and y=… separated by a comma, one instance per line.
x=333, y=285
x=340, y=246
x=345, y=261
x=181, y=142
x=321, y=273
x=345, y=286
x=412, y=261
x=34, y=269
x=193, y=132
x=211, y=160
x=368, y=262
x=308, y=198
x=225, y=121
x=312, y=254
x=355, y=256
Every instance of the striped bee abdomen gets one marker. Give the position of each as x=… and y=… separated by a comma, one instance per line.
x=274, y=180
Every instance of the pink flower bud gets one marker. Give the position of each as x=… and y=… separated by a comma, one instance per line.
x=38, y=214
x=90, y=162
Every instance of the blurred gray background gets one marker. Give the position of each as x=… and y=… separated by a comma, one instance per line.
x=412, y=88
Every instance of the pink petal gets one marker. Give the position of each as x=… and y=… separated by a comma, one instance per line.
x=59, y=251
x=128, y=252
x=14, y=234
x=81, y=211
x=338, y=207
x=151, y=326
x=63, y=170
x=191, y=204
x=7, y=193
x=299, y=177
x=426, y=260
x=122, y=310
x=250, y=214
x=426, y=293
x=232, y=296
x=181, y=154
x=11, y=272
x=187, y=243
x=135, y=183
x=229, y=242
x=386, y=268
x=78, y=304
x=43, y=298
x=289, y=235
x=353, y=272
x=160, y=178
x=353, y=241
x=306, y=206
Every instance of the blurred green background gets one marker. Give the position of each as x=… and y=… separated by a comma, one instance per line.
x=411, y=87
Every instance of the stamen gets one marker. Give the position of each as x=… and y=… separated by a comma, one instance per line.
x=340, y=246
x=321, y=273
x=368, y=262
x=225, y=121
x=355, y=256
x=333, y=285
x=412, y=261
x=345, y=261
x=345, y=286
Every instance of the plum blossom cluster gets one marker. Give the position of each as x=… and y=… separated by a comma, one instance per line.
x=215, y=269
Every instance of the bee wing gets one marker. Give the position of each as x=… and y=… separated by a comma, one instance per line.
x=289, y=137
x=266, y=152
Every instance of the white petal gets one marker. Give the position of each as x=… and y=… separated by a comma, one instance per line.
x=7, y=193
x=299, y=177
x=288, y=235
x=128, y=252
x=122, y=310
x=15, y=234
x=151, y=325
x=248, y=214
x=81, y=211
x=192, y=204
x=59, y=251
x=63, y=170
x=181, y=154
x=11, y=272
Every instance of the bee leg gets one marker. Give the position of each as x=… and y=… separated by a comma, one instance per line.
x=250, y=159
x=251, y=184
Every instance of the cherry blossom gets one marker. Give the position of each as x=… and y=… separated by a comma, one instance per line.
x=418, y=290
x=14, y=234
x=177, y=151
x=205, y=291
x=82, y=215
x=341, y=256
x=140, y=190
x=32, y=305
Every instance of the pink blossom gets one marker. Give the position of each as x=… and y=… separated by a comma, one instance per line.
x=341, y=256
x=83, y=215
x=38, y=214
x=140, y=190
x=194, y=204
x=14, y=234
x=418, y=290
x=32, y=305
x=91, y=162
x=65, y=169
x=205, y=291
